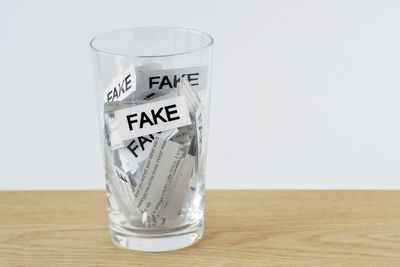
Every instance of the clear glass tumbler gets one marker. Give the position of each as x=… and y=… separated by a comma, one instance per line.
x=152, y=90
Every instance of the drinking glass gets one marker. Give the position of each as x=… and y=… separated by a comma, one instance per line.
x=152, y=93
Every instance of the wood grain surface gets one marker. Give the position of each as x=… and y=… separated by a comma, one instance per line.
x=243, y=228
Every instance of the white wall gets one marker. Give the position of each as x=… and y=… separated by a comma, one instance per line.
x=305, y=93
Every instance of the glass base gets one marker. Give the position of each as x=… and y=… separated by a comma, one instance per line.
x=160, y=242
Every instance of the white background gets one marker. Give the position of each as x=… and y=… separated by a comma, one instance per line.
x=305, y=93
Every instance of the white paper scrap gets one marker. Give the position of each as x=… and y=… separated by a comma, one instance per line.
x=121, y=86
x=192, y=98
x=164, y=170
x=169, y=79
x=199, y=129
x=180, y=188
x=152, y=117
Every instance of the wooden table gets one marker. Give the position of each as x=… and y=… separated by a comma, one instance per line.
x=245, y=228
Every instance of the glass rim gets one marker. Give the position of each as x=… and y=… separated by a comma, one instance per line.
x=104, y=52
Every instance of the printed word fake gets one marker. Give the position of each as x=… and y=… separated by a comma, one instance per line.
x=159, y=82
x=163, y=114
